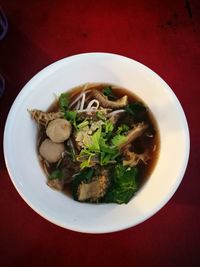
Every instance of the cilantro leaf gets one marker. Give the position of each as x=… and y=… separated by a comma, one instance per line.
x=107, y=152
x=87, y=161
x=122, y=129
x=71, y=116
x=118, y=139
x=64, y=101
x=108, y=126
x=95, y=141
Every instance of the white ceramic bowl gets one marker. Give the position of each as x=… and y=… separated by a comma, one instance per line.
x=20, y=142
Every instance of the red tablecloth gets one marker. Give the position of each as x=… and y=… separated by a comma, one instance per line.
x=164, y=35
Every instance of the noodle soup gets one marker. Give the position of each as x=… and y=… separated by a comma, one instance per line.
x=98, y=142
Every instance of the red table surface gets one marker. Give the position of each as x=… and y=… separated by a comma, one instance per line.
x=165, y=36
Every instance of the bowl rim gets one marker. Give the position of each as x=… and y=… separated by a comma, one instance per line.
x=25, y=90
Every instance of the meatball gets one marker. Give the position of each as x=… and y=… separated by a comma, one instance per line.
x=51, y=151
x=59, y=130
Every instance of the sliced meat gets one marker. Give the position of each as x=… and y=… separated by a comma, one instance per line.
x=94, y=190
x=43, y=118
x=132, y=159
x=68, y=167
x=134, y=133
x=106, y=103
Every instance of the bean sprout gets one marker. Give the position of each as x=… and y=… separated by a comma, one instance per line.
x=46, y=162
x=78, y=105
x=72, y=146
x=94, y=101
x=45, y=169
x=115, y=112
x=78, y=98
x=82, y=102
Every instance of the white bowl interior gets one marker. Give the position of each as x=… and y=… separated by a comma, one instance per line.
x=20, y=146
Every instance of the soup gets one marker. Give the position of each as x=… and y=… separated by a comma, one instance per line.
x=98, y=143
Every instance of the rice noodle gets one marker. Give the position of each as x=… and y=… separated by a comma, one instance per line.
x=85, y=110
x=115, y=112
x=58, y=163
x=46, y=162
x=78, y=105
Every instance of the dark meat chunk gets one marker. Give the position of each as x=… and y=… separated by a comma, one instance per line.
x=106, y=103
x=68, y=167
x=94, y=189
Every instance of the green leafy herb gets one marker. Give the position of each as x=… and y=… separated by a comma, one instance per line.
x=101, y=115
x=106, y=158
x=124, y=185
x=118, y=139
x=122, y=129
x=56, y=174
x=64, y=105
x=100, y=149
x=108, y=153
x=64, y=101
x=82, y=124
x=108, y=126
x=107, y=91
x=104, y=147
x=71, y=116
x=86, y=162
x=137, y=109
x=94, y=146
